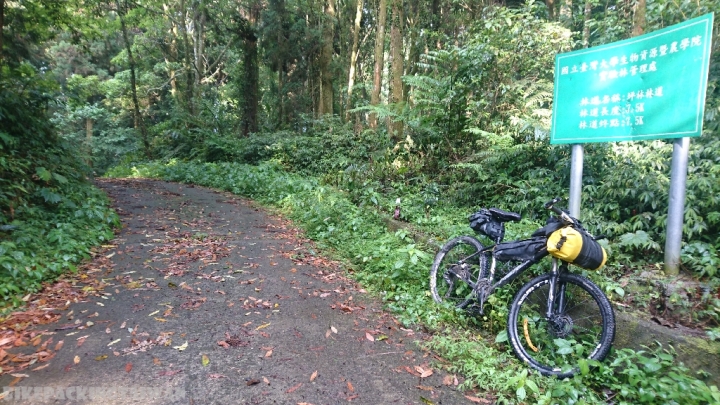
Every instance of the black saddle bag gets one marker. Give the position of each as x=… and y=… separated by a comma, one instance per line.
x=484, y=223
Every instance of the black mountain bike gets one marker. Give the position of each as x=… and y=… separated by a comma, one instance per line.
x=557, y=320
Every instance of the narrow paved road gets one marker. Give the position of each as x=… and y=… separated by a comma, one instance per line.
x=204, y=299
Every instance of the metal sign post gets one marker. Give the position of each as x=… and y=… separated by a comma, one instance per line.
x=576, y=172
x=676, y=205
x=649, y=87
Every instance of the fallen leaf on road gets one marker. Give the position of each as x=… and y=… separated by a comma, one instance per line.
x=20, y=375
x=217, y=376
x=293, y=388
x=369, y=337
x=313, y=376
x=252, y=382
x=41, y=367
x=477, y=400
x=448, y=380
x=101, y=357
x=169, y=372
x=181, y=347
x=424, y=387
x=205, y=360
x=424, y=372
x=156, y=361
x=76, y=359
x=268, y=353
x=113, y=342
x=128, y=367
x=59, y=345
x=223, y=344
x=332, y=328
x=266, y=381
x=265, y=325
x=350, y=386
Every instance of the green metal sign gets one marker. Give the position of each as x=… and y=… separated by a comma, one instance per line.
x=648, y=87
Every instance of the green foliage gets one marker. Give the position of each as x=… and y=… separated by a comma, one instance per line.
x=649, y=377
x=50, y=215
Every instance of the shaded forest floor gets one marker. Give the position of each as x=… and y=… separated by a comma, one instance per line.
x=203, y=298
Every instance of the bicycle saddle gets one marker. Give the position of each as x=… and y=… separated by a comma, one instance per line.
x=504, y=216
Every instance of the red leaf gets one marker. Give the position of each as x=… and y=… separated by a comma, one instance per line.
x=477, y=400
x=128, y=367
x=293, y=388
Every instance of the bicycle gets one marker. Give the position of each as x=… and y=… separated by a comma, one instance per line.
x=557, y=321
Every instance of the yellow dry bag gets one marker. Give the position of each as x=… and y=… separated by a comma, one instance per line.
x=577, y=247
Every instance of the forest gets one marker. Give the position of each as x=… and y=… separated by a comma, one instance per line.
x=330, y=111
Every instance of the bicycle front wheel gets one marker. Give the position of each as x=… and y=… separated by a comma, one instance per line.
x=580, y=325
x=458, y=260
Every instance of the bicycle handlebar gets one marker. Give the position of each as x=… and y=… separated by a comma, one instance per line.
x=564, y=216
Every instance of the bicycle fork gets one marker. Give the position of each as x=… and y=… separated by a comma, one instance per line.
x=556, y=302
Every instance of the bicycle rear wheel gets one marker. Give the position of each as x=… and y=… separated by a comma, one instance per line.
x=581, y=325
x=458, y=260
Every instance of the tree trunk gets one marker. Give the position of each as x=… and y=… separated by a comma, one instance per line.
x=396, y=54
x=353, y=57
x=173, y=53
x=413, y=46
x=2, y=24
x=189, y=70
x=138, y=121
x=586, y=27
x=250, y=85
x=89, y=139
x=551, y=9
x=379, y=53
x=199, y=45
x=326, y=52
x=639, y=21
x=566, y=13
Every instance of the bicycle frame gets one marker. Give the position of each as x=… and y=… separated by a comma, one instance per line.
x=517, y=270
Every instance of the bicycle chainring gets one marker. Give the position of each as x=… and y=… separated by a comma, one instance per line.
x=482, y=290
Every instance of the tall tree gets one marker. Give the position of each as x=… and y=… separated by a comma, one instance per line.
x=397, y=56
x=137, y=118
x=250, y=76
x=639, y=20
x=566, y=13
x=326, y=53
x=2, y=24
x=379, y=61
x=353, y=57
